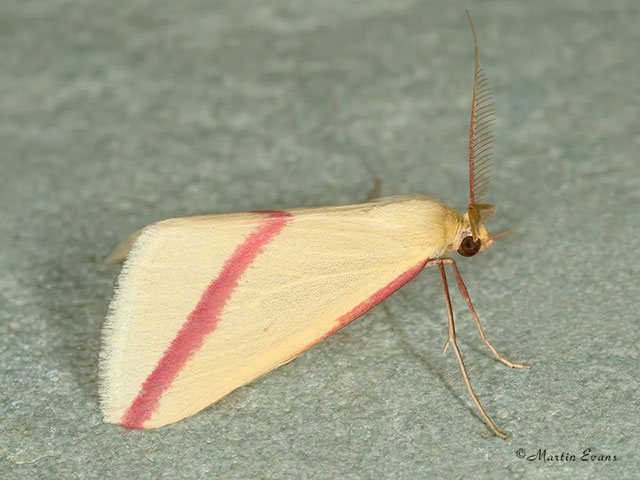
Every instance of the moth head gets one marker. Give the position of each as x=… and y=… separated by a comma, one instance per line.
x=474, y=236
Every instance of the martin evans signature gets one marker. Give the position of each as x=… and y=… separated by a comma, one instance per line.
x=587, y=455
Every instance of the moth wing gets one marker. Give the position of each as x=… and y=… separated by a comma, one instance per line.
x=207, y=304
x=122, y=250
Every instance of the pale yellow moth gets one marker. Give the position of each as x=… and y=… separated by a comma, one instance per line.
x=206, y=304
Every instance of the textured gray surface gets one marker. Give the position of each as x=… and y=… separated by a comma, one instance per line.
x=116, y=115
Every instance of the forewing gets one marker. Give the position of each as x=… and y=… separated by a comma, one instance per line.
x=207, y=304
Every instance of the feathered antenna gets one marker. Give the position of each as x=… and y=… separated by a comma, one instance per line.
x=480, y=132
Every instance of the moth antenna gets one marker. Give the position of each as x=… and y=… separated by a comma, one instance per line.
x=480, y=131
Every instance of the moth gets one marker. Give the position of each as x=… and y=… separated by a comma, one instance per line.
x=206, y=304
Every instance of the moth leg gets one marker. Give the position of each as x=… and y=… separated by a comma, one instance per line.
x=377, y=187
x=465, y=295
x=452, y=340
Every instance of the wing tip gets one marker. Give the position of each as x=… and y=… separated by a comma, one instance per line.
x=122, y=250
x=112, y=360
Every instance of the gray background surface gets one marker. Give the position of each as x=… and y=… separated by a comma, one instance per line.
x=117, y=114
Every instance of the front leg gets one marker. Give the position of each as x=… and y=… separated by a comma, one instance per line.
x=452, y=340
x=465, y=295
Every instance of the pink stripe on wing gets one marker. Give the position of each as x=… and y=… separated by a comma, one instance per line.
x=369, y=303
x=203, y=319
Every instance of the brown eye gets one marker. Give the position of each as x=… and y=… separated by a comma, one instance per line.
x=468, y=248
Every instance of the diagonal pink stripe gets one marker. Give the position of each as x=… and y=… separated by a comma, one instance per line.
x=203, y=319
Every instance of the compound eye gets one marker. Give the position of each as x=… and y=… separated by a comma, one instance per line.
x=468, y=248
